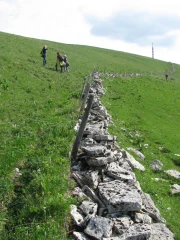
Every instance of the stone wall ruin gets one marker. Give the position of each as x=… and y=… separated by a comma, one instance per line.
x=113, y=205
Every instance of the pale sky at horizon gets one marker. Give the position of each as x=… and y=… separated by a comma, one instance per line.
x=128, y=26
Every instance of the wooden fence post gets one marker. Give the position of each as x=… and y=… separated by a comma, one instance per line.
x=84, y=82
x=85, y=96
x=81, y=128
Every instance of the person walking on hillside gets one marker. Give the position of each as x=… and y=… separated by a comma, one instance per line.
x=67, y=63
x=44, y=54
x=60, y=61
x=166, y=76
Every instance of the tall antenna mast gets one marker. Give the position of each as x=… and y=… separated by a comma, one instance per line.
x=152, y=51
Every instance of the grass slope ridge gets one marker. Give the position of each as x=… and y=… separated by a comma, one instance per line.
x=38, y=110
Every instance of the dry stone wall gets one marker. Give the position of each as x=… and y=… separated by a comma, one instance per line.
x=113, y=205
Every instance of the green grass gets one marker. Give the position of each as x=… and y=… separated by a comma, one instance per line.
x=38, y=111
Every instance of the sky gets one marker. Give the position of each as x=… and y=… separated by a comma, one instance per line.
x=130, y=25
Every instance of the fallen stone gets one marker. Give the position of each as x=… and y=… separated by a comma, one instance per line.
x=119, y=196
x=156, y=165
x=173, y=173
x=138, y=153
x=133, y=163
x=160, y=232
x=159, y=179
x=99, y=227
x=149, y=207
x=175, y=188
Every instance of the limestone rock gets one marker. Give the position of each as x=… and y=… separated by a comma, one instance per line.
x=175, y=188
x=117, y=172
x=133, y=163
x=89, y=208
x=137, y=232
x=173, y=173
x=142, y=218
x=160, y=232
x=119, y=196
x=95, y=150
x=77, y=217
x=156, y=165
x=99, y=227
x=80, y=236
x=77, y=192
x=90, y=193
x=121, y=224
x=138, y=153
x=102, y=161
x=149, y=207
x=91, y=179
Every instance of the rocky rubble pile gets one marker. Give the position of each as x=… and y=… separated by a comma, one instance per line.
x=113, y=205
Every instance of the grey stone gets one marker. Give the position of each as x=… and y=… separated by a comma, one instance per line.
x=117, y=172
x=120, y=176
x=89, y=208
x=97, y=128
x=137, y=232
x=77, y=167
x=160, y=232
x=159, y=179
x=156, y=165
x=77, y=192
x=149, y=207
x=113, y=238
x=95, y=114
x=133, y=163
x=102, y=161
x=138, y=153
x=173, y=173
x=175, y=188
x=142, y=218
x=80, y=236
x=90, y=193
x=119, y=196
x=78, y=178
x=91, y=179
x=87, y=142
x=77, y=217
x=104, y=137
x=99, y=227
x=121, y=224
x=95, y=150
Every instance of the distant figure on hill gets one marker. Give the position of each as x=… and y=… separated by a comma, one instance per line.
x=166, y=76
x=60, y=61
x=43, y=54
x=67, y=63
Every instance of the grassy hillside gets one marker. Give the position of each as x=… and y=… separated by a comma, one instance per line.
x=38, y=111
x=145, y=110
